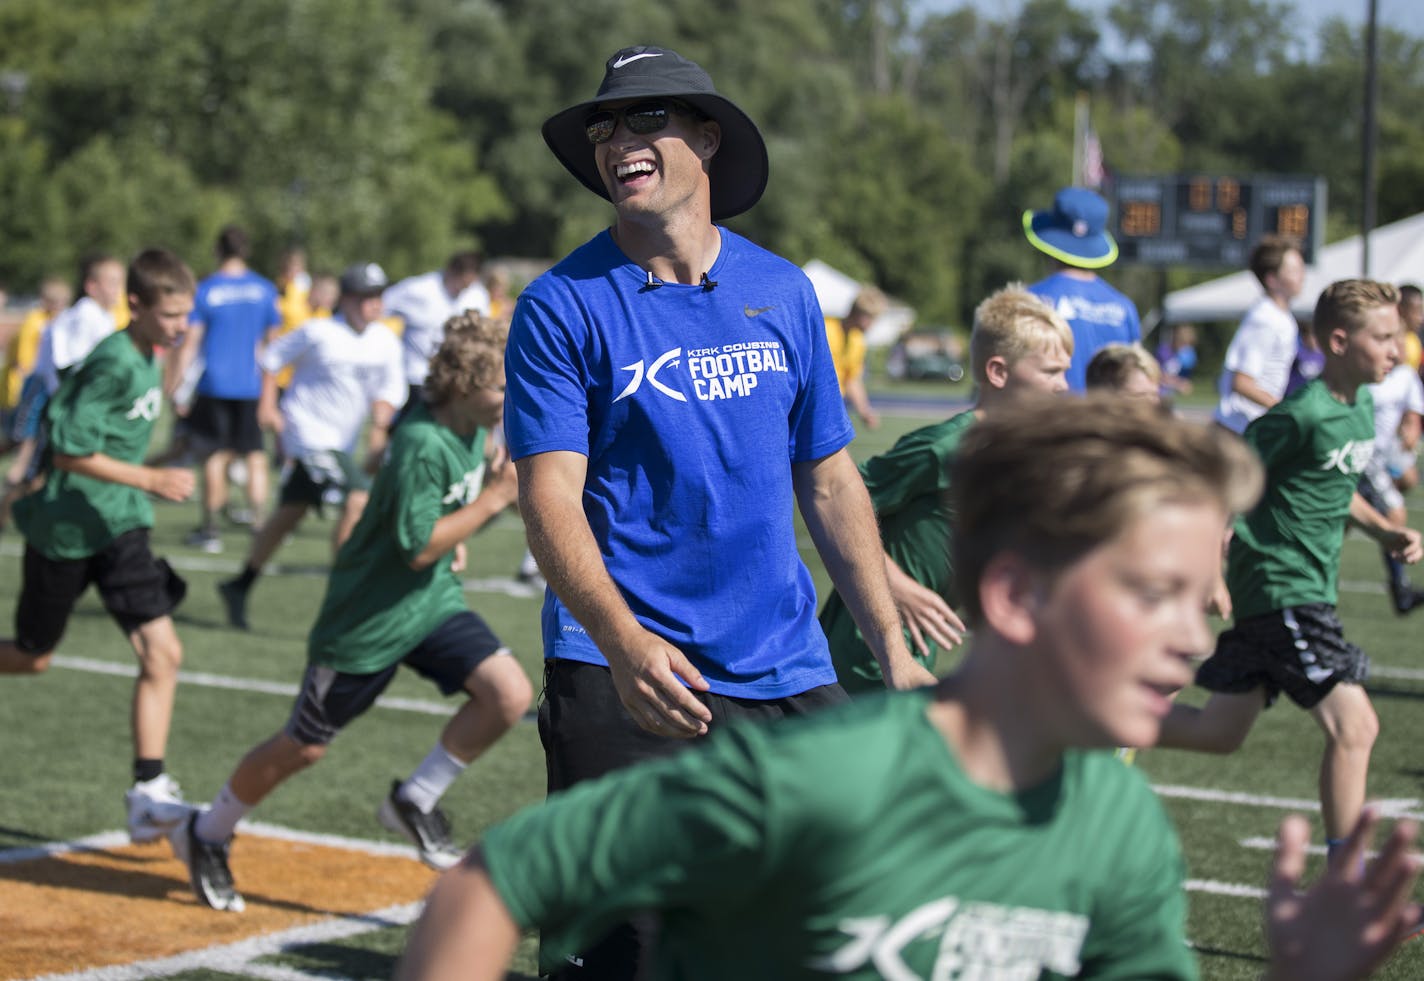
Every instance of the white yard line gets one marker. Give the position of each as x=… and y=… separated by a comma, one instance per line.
x=237, y=958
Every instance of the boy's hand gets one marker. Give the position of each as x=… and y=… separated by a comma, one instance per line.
x=502, y=482
x=457, y=563
x=1349, y=922
x=171, y=483
x=269, y=417
x=1405, y=545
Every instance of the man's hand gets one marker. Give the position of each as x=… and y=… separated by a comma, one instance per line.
x=924, y=612
x=171, y=483
x=646, y=672
x=1351, y=920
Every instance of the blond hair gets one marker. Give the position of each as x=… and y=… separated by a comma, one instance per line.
x=1053, y=479
x=1013, y=323
x=470, y=357
x=869, y=303
x=1115, y=364
x=1347, y=304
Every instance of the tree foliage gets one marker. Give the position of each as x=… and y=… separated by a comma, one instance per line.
x=906, y=140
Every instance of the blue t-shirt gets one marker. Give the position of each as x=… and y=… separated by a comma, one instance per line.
x=691, y=404
x=235, y=312
x=1098, y=314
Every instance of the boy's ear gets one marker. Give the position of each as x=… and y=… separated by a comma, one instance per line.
x=1339, y=340
x=1010, y=590
x=996, y=371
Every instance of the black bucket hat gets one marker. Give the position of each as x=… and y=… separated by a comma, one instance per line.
x=740, y=167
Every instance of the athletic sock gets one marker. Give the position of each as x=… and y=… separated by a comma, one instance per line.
x=1398, y=579
x=431, y=779
x=246, y=577
x=145, y=770
x=217, y=823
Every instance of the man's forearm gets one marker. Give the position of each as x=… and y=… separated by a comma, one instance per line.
x=838, y=514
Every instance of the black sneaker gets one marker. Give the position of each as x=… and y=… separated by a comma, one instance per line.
x=234, y=599
x=207, y=867
x=430, y=833
x=1406, y=598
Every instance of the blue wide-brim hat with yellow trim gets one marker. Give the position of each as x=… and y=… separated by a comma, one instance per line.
x=1075, y=231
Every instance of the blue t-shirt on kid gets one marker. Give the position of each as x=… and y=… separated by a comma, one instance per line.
x=235, y=313
x=1098, y=314
x=691, y=404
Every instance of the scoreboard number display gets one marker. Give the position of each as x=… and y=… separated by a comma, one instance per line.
x=1202, y=220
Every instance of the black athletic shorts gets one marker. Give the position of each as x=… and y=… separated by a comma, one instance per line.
x=136, y=588
x=1300, y=650
x=225, y=424
x=322, y=479
x=331, y=699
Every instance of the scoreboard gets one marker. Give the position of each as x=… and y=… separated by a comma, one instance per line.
x=1201, y=220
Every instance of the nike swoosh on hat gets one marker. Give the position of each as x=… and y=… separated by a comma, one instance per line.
x=629, y=59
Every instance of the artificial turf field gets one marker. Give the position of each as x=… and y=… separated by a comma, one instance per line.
x=329, y=891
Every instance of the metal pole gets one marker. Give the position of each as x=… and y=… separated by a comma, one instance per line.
x=1367, y=179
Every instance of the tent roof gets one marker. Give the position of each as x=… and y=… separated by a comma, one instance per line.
x=836, y=292
x=1396, y=256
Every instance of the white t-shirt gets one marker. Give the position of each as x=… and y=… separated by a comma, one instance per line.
x=1262, y=350
x=1400, y=392
x=421, y=301
x=69, y=338
x=336, y=375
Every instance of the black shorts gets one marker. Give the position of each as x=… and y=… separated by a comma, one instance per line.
x=1300, y=650
x=136, y=588
x=225, y=424
x=331, y=699
x=320, y=479
x=587, y=732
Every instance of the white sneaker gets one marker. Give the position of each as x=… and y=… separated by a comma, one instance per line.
x=155, y=807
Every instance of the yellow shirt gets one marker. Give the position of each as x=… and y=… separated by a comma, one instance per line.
x=1412, y=349
x=20, y=355
x=847, y=351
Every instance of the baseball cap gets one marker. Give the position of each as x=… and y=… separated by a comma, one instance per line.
x=1074, y=231
x=365, y=278
x=740, y=167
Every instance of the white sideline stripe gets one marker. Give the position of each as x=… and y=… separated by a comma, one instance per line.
x=1232, y=889
x=1269, y=845
x=236, y=958
x=106, y=840
x=203, y=680
x=1400, y=674
x=197, y=563
x=1392, y=808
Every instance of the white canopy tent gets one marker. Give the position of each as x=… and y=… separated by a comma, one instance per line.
x=836, y=292
x=1396, y=256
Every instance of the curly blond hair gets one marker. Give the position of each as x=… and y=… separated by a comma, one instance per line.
x=470, y=357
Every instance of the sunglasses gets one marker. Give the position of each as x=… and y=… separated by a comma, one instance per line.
x=641, y=118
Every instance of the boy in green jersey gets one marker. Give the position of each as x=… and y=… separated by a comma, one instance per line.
x=1019, y=344
x=1284, y=558
x=964, y=830
x=89, y=523
x=393, y=598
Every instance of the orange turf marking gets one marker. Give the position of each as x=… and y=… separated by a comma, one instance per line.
x=84, y=910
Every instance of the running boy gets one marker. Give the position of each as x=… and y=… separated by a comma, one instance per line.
x=1283, y=560
x=1019, y=344
x=947, y=831
x=429, y=497
x=89, y=523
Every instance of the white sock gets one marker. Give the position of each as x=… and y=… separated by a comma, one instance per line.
x=431, y=779
x=217, y=822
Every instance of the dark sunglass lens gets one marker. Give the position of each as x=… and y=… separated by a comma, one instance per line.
x=599, y=126
x=646, y=118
